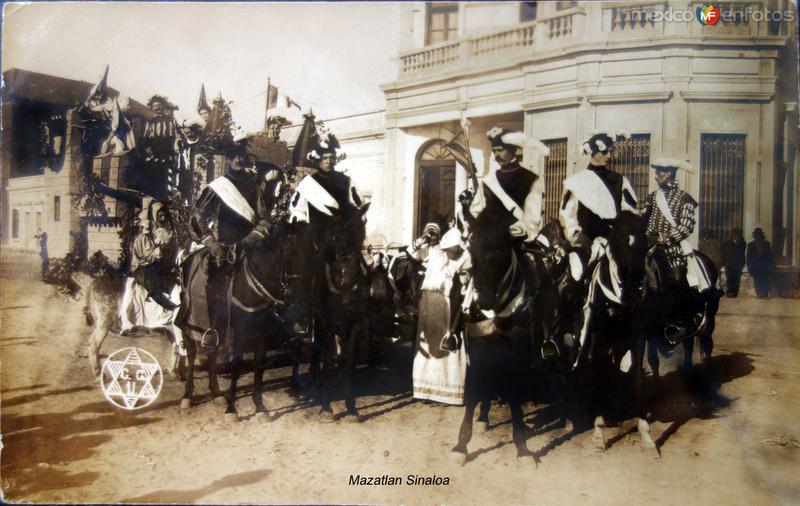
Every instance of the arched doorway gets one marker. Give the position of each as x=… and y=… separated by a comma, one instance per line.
x=434, y=196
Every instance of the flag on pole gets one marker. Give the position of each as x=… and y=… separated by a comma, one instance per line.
x=121, y=129
x=272, y=95
x=100, y=90
x=459, y=152
x=292, y=103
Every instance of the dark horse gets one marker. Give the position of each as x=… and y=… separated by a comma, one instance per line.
x=614, y=342
x=661, y=325
x=252, y=305
x=507, y=319
x=340, y=293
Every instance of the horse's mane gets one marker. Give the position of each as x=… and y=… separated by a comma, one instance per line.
x=347, y=230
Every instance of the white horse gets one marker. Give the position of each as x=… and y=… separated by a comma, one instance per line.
x=115, y=304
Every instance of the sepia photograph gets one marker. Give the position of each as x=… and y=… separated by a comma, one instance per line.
x=509, y=252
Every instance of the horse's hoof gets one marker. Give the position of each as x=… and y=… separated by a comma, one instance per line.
x=599, y=442
x=527, y=462
x=483, y=427
x=186, y=403
x=231, y=417
x=458, y=458
x=326, y=416
x=263, y=417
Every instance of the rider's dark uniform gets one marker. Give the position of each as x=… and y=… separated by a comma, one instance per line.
x=224, y=216
x=593, y=199
x=315, y=204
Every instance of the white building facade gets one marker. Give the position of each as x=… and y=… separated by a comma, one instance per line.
x=723, y=96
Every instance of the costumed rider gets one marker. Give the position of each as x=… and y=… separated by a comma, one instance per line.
x=511, y=196
x=592, y=200
x=671, y=221
x=315, y=204
x=225, y=219
x=153, y=273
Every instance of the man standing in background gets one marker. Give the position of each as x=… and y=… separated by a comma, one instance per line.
x=733, y=260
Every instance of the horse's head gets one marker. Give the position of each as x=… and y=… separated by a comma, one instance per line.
x=343, y=240
x=627, y=249
x=379, y=288
x=490, y=249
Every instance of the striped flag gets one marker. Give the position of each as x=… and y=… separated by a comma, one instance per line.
x=121, y=138
x=272, y=96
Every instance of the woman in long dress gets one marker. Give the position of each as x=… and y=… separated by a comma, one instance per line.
x=438, y=374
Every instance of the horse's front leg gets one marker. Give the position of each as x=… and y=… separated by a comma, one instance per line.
x=654, y=363
x=706, y=347
x=459, y=452
x=688, y=350
x=520, y=434
x=351, y=413
x=295, y=350
x=260, y=365
x=101, y=330
x=213, y=378
x=188, y=391
x=230, y=396
x=638, y=396
x=324, y=379
x=483, y=415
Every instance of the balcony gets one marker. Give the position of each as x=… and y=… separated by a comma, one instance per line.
x=593, y=25
x=479, y=51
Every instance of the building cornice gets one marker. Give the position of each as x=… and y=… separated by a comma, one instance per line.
x=713, y=96
x=658, y=96
x=553, y=104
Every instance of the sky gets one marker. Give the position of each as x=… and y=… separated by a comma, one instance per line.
x=331, y=57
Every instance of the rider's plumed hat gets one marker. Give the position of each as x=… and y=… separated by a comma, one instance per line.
x=328, y=144
x=672, y=165
x=516, y=140
x=601, y=142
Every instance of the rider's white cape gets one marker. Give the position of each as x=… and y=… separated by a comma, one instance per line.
x=227, y=191
x=592, y=192
x=310, y=192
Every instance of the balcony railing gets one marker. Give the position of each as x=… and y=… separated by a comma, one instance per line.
x=541, y=33
x=592, y=23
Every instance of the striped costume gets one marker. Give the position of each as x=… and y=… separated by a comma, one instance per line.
x=682, y=206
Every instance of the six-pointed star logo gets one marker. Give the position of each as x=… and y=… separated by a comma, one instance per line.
x=131, y=378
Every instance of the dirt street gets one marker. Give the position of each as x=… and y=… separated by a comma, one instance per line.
x=63, y=442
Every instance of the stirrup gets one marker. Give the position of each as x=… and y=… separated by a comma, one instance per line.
x=674, y=334
x=550, y=349
x=451, y=342
x=206, y=339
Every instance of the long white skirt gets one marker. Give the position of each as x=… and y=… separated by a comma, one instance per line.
x=437, y=375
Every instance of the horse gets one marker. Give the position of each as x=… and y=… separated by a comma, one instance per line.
x=662, y=326
x=380, y=305
x=509, y=319
x=614, y=341
x=340, y=295
x=252, y=305
x=405, y=274
x=104, y=300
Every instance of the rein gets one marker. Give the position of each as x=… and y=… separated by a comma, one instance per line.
x=331, y=284
x=259, y=289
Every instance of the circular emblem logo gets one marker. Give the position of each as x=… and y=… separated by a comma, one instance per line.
x=131, y=378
